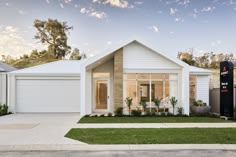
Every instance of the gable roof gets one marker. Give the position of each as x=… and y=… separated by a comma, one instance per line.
x=117, y=47
x=57, y=67
x=6, y=68
x=199, y=71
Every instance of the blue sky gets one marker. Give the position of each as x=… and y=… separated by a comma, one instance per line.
x=169, y=26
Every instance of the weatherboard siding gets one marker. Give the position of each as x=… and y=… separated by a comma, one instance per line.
x=137, y=56
x=202, y=88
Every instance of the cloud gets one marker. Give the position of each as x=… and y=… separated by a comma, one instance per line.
x=67, y=1
x=47, y=1
x=61, y=5
x=183, y=2
x=115, y=3
x=216, y=43
x=173, y=11
x=21, y=12
x=138, y=2
x=12, y=42
x=91, y=12
x=179, y=20
x=207, y=9
x=109, y=42
x=154, y=28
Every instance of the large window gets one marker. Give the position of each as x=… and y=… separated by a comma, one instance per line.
x=146, y=87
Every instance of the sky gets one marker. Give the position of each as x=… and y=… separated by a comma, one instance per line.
x=169, y=26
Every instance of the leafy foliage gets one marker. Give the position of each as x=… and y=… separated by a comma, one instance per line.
x=173, y=102
x=207, y=60
x=3, y=109
x=54, y=34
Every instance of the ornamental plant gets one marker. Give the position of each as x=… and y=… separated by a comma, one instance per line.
x=173, y=102
x=128, y=102
x=157, y=102
x=144, y=104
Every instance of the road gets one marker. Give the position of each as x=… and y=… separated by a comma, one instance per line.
x=181, y=153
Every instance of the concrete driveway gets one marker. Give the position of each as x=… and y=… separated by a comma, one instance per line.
x=32, y=129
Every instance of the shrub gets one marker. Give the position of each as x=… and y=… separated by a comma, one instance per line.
x=173, y=102
x=199, y=103
x=128, y=102
x=109, y=115
x=3, y=109
x=136, y=113
x=163, y=114
x=180, y=110
x=87, y=115
x=150, y=113
x=157, y=102
x=119, y=111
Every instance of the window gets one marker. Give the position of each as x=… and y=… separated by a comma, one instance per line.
x=149, y=86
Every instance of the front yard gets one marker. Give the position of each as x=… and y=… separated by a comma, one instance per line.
x=152, y=120
x=154, y=136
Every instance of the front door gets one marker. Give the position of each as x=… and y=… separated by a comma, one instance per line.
x=101, y=96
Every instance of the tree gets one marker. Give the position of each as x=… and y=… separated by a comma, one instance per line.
x=75, y=55
x=54, y=34
x=186, y=57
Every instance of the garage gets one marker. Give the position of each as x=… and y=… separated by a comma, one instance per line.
x=47, y=95
x=49, y=88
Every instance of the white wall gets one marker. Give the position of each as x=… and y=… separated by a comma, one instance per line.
x=137, y=56
x=202, y=88
x=3, y=88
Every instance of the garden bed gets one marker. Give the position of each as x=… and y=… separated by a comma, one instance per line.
x=154, y=119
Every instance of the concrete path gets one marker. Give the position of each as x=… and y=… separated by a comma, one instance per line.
x=129, y=153
x=37, y=129
x=156, y=125
x=119, y=147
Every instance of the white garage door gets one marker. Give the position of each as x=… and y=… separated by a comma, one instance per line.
x=47, y=95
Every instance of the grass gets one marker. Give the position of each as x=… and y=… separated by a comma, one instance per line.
x=154, y=136
x=152, y=120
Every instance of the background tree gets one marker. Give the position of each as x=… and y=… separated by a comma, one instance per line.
x=54, y=34
x=186, y=57
x=76, y=55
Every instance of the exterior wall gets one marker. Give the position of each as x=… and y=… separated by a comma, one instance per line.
x=202, y=88
x=3, y=88
x=184, y=81
x=118, y=79
x=107, y=67
x=137, y=56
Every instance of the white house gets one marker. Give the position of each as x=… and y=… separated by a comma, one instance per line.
x=4, y=69
x=101, y=83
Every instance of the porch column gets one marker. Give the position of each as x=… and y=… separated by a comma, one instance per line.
x=118, y=79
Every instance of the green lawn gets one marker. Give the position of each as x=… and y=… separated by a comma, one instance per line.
x=155, y=136
x=152, y=120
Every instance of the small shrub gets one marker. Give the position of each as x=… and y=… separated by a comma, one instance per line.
x=3, y=109
x=102, y=115
x=180, y=110
x=87, y=115
x=163, y=114
x=170, y=114
x=199, y=103
x=150, y=113
x=109, y=115
x=119, y=111
x=128, y=102
x=136, y=113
